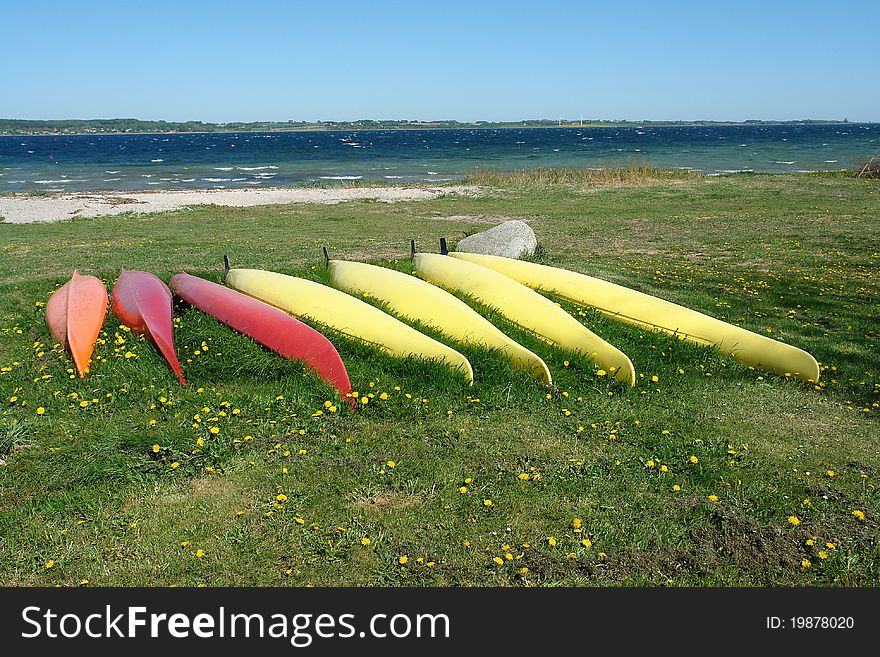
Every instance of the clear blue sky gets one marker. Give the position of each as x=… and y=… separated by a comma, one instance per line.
x=337, y=60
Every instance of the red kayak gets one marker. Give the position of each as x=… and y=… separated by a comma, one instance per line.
x=271, y=327
x=143, y=303
x=75, y=313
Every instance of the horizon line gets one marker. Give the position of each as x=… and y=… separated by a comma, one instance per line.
x=450, y=120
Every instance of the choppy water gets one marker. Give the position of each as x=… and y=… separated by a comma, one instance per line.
x=218, y=160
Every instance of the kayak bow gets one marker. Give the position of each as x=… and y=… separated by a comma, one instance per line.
x=143, y=303
x=271, y=327
x=417, y=300
x=345, y=314
x=75, y=314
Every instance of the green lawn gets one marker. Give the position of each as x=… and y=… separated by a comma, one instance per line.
x=710, y=474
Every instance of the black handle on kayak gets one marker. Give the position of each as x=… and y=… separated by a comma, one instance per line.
x=443, y=249
x=326, y=256
x=226, y=266
x=412, y=249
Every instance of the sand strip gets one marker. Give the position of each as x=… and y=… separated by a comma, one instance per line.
x=27, y=208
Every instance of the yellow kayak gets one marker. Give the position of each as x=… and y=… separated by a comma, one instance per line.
x=416, y=300
x=345, y=314
x=648, y=312
x=525, y=308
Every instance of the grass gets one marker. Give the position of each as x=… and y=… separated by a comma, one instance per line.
x=634, y=174
x=290, y=492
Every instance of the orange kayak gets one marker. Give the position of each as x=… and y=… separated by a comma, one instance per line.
x=143, y=303
x=75, y=314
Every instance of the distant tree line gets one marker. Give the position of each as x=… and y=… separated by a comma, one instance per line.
x=95, y=126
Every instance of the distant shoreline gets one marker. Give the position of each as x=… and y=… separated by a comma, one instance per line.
x=356, y=127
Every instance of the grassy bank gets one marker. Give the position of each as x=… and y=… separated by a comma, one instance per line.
x=706, y=473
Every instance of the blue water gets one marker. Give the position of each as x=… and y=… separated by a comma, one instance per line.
x=218, y=160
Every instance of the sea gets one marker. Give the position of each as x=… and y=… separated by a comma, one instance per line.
x=58, y=163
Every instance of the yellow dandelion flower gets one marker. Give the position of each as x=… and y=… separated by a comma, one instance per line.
x=576, y=523
x=823, y=554
x=175, y=465
x=587, y=543
x=214, y=430
x=487, y=502
x=601, y=373
x=498, y=560
x=694, y=459
x=859, y=514
x=40, y=410
x=365, y=541
x=391, y=464
x=551, y=541
x=200, y=553
x=805, y=563
x=49, y=564
x=713, y=498
x=281, y=497
x=403, y=560
x=794, y=520
x=156, y=449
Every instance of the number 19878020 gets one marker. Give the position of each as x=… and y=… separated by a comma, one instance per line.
x=811, y=623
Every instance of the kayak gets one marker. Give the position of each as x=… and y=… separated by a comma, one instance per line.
x=75, y=314
x=267, y=325
x=143, y=303
x=415, y=300
x=651, y=313
x=343, y=313
x=525, y=308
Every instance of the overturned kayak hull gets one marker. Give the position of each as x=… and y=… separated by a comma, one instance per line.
x=143, y=303
x=415, y=300
x=343, y=313
x=651, y=313
x=75, y=314
x=267, y=325
x=525, y=308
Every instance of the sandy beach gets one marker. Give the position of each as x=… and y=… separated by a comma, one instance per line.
x=27, y=208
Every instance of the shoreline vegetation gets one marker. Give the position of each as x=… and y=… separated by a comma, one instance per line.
x=28, y=127
x=25, y=207
x=51, y=207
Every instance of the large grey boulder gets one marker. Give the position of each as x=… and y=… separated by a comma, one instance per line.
x=512, y=239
